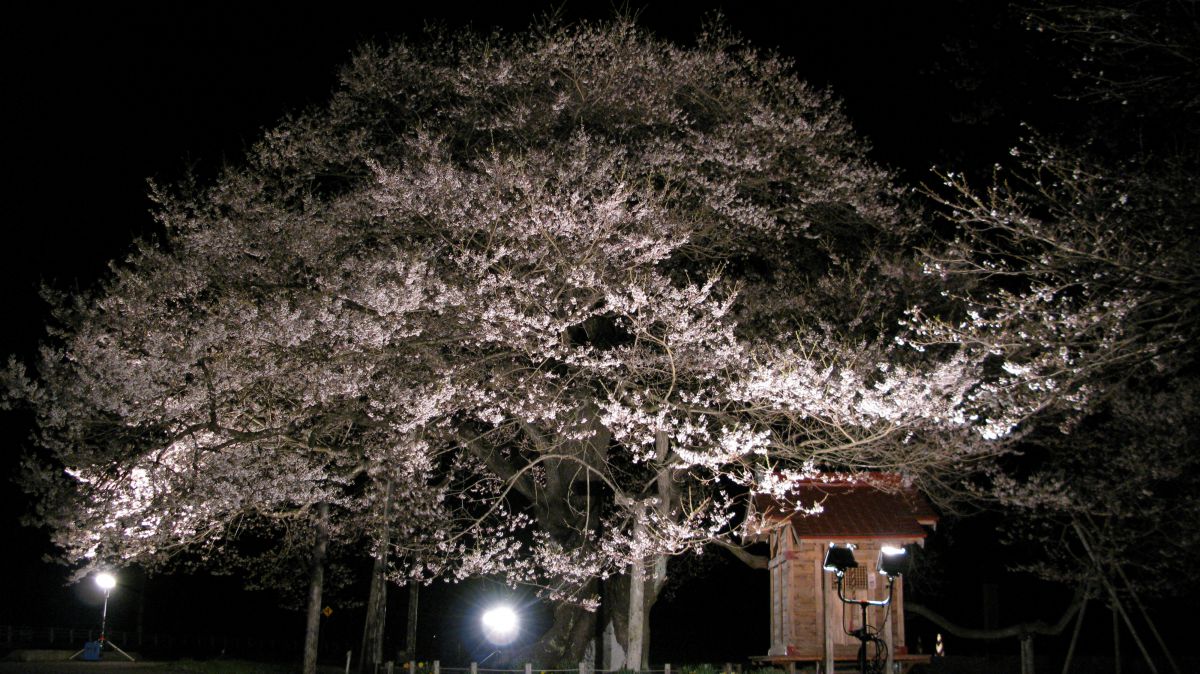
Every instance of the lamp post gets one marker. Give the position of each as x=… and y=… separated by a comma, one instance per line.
x=893, y=561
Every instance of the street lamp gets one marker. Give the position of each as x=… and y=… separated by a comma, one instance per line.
x=893, y=561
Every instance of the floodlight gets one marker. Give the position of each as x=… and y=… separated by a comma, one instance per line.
x=893, y=561
x=838, y=559
x=500, y=625
x=105, y=581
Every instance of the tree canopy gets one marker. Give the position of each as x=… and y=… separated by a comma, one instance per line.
x=570, y=293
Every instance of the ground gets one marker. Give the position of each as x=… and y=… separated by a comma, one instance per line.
x=174, y=667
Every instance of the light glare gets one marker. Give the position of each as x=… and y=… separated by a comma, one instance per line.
x=500, y=625
x=106, y=581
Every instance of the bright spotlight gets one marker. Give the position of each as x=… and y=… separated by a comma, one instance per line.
x=500, y=625
x=893, y=561
x=106, y=581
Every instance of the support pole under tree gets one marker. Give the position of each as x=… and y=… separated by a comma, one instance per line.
x=1116, y=625
x=1118, y=607
x=1075, y=634
x=1020, y=631
x=316, y=582
x=1149, y=622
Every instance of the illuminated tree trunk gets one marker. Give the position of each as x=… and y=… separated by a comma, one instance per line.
x=316, y=581
x=637, y=603
x=410, y=627
x=643, y=592
x=372, y=639
x=371, y=653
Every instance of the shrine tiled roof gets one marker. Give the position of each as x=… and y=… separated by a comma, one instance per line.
x=860, y=508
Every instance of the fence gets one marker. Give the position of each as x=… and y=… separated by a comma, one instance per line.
x=435, y=667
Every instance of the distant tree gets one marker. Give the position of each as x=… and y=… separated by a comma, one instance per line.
x=569, y=293
x=1076, y=264
x=1141, y=59
x=1078, y=276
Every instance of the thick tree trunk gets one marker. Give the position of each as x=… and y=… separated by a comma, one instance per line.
x=617, y=596
x=643, y=591
x=410, y=627
x=372, y=638
x=563, y=645
x=371, y=653
x=637, y=603
x=567, y=510
x=316, y=582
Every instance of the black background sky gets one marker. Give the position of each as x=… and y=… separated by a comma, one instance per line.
x=99, y=99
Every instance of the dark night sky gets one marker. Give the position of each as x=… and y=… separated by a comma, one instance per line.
x=102, y=98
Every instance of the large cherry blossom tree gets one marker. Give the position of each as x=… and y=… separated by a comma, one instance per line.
x=538, y=306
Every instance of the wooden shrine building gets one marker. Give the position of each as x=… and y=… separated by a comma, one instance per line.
x=808, y=621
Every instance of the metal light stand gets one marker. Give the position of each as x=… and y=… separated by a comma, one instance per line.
x=104, y=626
x=103, y=629
x=862, y=633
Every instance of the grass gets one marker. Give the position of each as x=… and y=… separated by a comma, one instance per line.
x=232, y=667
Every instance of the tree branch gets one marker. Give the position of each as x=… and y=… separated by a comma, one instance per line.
x=745, y=556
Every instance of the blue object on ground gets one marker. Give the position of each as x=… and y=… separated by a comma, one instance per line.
x=91, y=650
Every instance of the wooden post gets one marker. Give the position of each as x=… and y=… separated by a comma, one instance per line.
x=528, y=668
x=474, y=668
x=437, y=667
x=1027, y=654
x=667, y=668
x=583, y=668
x=828, y=594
